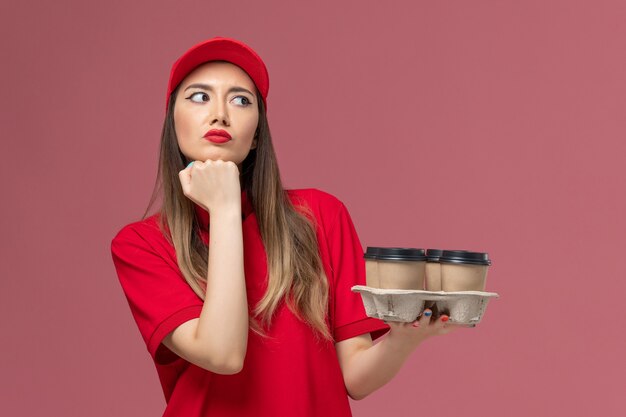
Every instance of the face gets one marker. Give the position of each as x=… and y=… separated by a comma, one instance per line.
x=216, y=95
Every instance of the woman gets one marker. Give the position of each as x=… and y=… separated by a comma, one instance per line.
x=264, y=323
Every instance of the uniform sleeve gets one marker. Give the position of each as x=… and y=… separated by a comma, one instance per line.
x=159, y=298
x=348, y=265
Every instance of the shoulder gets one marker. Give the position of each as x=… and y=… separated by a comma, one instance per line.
x=324, y=206
x=315, y=198
x=144, y=232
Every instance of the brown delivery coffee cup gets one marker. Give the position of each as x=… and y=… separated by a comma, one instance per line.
x=371, y=267
x=433, y=269
x=463, y=271
x=396, y=268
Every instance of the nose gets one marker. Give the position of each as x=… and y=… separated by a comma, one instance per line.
x=219, y=112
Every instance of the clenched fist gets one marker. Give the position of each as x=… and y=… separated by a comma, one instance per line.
x=214, y=185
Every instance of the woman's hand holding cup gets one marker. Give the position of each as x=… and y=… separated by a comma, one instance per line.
x=410, y=335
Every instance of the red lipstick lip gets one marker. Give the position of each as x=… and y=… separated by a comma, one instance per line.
x=217, y=132
x=217, y=139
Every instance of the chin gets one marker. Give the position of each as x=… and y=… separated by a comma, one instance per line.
x=215, y=157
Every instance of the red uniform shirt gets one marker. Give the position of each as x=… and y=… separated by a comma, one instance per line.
x=291, y=374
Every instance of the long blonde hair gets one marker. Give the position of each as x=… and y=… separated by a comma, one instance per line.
x=294, y=267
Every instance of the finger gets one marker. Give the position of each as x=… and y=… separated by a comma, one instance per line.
x=449, y=327
x=425, y=319
x=185, y=180
x=416, y=322
x=441, y=323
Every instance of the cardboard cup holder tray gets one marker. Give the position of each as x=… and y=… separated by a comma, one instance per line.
x=463, y=307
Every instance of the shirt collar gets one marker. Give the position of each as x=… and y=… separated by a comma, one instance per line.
x=203, y=215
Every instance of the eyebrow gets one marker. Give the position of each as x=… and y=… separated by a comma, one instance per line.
x=230, y=90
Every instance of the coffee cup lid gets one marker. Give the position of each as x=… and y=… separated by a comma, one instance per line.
x=395, y=254
x=432, y=255
x=371, y=253
x=464, y=257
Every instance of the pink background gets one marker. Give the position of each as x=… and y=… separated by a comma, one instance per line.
x=484, y=125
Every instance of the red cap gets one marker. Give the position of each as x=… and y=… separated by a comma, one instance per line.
x=220, y=49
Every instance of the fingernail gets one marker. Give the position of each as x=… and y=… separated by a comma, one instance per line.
x=190, y=164
x=445, y=318
x=416, y=324
x=427, y=313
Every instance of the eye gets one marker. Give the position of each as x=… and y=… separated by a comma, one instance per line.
x=245, y=101
x=198, y=94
